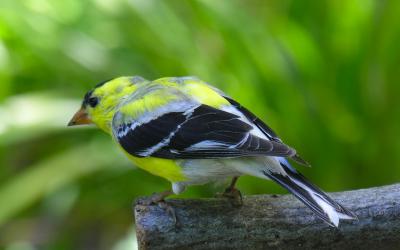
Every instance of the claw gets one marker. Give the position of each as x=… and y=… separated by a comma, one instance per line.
x=233, y=194
x=155, y=198
x=159, y=199
x=171, y=211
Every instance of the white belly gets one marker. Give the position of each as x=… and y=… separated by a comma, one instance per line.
x=202, y=171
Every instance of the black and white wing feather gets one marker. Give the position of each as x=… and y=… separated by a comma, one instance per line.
x=257, y=122
x=198, y=132
x=264, y=128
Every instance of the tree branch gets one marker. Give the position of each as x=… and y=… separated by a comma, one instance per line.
x=272, y=222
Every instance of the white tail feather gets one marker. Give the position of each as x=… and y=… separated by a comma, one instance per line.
x=326, y=208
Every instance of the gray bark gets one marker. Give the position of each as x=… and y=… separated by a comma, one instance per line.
x=272, y=222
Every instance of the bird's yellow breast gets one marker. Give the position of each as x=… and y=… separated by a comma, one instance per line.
x=165, y=168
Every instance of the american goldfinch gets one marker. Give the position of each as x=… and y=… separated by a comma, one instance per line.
x=190, y=133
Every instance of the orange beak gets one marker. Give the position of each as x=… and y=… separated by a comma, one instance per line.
x=80, y=118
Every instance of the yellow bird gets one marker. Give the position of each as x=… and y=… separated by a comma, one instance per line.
x=191, y=133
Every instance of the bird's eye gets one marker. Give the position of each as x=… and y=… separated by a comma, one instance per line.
x=93, y=101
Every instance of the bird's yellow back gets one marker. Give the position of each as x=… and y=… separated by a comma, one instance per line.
x=195, y=88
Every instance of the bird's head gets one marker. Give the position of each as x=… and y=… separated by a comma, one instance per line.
x=100, y=104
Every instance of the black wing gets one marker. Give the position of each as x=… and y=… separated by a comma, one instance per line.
x=260, y=124
x=202, y=132
x=263, y=127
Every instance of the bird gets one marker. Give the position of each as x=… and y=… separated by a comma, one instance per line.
x=189, y=132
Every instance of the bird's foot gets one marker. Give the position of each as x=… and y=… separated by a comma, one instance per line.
x=171, y=212
x=155, y=198
x=159, y=200
x=234, y=195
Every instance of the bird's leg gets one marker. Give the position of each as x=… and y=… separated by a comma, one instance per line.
x=159, y=199
x=233, y=193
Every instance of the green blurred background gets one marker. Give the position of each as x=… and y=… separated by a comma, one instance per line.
x=323, y=74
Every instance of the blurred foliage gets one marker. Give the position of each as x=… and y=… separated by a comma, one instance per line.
x=324, y=74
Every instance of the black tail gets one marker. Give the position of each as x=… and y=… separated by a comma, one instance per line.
x=313, y=197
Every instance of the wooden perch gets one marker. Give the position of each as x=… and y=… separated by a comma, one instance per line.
x=272, y=222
